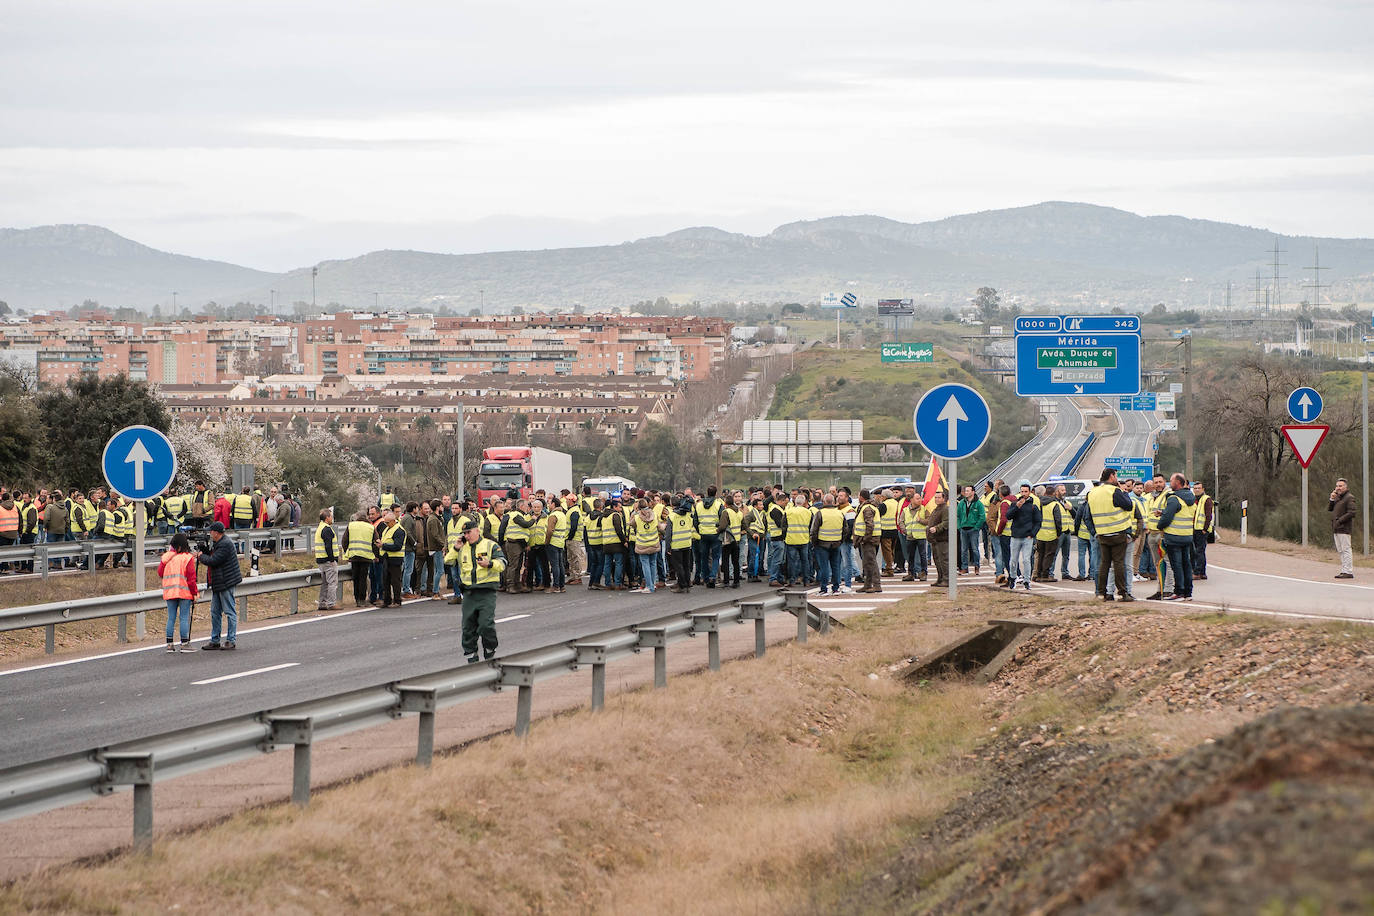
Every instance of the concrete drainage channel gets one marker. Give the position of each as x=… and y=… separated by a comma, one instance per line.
x=982, y=653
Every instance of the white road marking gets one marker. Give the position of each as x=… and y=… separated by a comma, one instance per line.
x=230, y=677
x=1342, y=583
x=511, y=617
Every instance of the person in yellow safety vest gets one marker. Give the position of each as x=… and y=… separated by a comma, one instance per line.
x=241, y=509
x=989, y=499
x=327, y=561
x=732, y=540
x=757, y=530
x=1204, y=529
x=1178, y=524
x=556, y=546
x=480, y=564
x=388, y=500
x=491, y=519
x=912, y=523
x=682, y=535
x=178, y=574
x=391, y=549
x=173, y=511
x=536, y=575
x=575, y=548
x=201, y=503
x=514, y=539
x=827, y=530
x=1054, y=521
x=1156, y=494
x=1112, y=514
x=646, y=533
x=868, y=538
x=892, y=563
x=358, y=551
x=798, y=542
x=707, y=515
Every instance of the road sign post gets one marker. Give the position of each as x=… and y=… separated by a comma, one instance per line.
x=139, y=463
x=952, y=421
x=1305, y=439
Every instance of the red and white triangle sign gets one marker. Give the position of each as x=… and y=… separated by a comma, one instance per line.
x=1305, y=439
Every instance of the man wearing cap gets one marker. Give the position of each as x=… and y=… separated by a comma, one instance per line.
x=222, y=562
x=480, y=563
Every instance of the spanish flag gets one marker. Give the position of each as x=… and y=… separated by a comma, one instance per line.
x=934, y=481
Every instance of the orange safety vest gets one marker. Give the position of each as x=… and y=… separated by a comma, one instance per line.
x=9, y=522
x=176, y=568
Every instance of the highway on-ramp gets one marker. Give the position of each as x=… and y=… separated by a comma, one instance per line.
x=66, y=707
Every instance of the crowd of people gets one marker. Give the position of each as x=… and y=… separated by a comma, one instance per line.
x=51, y=516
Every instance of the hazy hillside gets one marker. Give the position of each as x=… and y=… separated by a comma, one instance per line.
x=53, y=266
x=1051, y=253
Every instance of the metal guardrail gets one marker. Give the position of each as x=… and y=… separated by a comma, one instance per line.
x=70, y=779
x=86, y=551
x=53, y=613
x=1078, y=456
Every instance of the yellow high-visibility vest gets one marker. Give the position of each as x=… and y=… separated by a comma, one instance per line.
x=798, y=526
x=1107, y=517
x=684, y=532
x=360, y=535
x=1182, y=522
x=832, y=525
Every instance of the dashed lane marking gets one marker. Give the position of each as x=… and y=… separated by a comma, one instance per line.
x=230, y=677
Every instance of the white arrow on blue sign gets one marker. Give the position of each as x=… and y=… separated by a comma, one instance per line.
x=952, y=421
x=1305, y=405
x=138, y=462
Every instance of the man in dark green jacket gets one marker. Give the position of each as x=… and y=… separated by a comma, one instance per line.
x=971, y=516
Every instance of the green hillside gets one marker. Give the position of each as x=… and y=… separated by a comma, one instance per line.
x=831, y=384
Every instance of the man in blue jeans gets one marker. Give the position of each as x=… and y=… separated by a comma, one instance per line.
x=223, y=564
x=971, y=517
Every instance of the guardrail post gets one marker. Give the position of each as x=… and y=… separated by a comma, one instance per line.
x=295, y=600
x=423, y=700
x=122, y=628
x=753, y=610
x=298, y=731
x=40, y=555
x=794, y=601
x=709, y=623
x=276, y=535
x=594, y=655
x=90, y=557
x=135, y=769
x=521, y=676
x=50, y=638
x=657, y=637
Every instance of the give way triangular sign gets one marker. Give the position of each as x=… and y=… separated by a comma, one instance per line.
x=1305, y=440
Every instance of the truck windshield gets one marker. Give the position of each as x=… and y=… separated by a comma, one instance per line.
x=499, y=475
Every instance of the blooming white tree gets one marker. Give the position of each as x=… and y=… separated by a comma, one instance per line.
x=198, y=458
x=240, y=443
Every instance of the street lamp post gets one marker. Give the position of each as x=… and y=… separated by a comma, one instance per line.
x=174, y=302
x=314, y=272
x=272, y=293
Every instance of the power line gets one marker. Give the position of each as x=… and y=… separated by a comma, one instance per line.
x=1278, y=280
x=1316, y=283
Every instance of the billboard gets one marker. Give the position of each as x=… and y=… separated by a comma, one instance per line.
x=908, y=353
x=819, y=443
x=895, y=308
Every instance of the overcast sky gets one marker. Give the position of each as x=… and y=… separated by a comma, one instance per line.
x=279, y=134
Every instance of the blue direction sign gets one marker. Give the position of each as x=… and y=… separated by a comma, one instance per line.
x=1136, y=468
x=952, y=421
x=138, y=462
x=1305, y=405
x=1139, y=402
x=1087, y=362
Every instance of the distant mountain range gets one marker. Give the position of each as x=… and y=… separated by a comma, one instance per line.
x=1051, y=254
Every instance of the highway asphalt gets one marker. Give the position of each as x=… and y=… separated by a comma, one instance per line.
x=60, y=708
x=1065, y=435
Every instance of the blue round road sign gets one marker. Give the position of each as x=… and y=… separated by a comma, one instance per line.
x=138, y=462
x=1305, y=405
x=952, y=421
